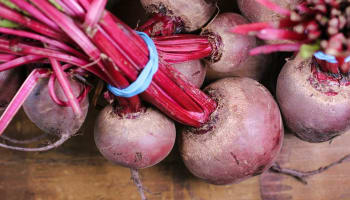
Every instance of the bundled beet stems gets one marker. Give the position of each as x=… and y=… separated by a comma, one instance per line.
x=76, y=40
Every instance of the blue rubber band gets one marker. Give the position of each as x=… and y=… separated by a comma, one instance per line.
x=331, y=59
x=145, y=77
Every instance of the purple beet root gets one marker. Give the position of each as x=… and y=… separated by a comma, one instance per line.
x=242, y=138
x=316, y=110
x=50, y=117
x=135, y=140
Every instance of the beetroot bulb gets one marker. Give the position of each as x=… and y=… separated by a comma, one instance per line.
x=232, y=56
x=315, y=105
x=52, y=118
x=135, y=140
x=242, y=138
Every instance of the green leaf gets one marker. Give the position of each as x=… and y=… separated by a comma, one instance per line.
x=307, y=50
x=10, y=5
x=8, y=24
x=57, y=5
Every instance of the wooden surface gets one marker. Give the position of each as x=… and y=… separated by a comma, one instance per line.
x=333, y=184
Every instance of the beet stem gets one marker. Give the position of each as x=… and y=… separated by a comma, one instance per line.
x=75, y=7
x=248, y=28
x=51, y=86
x=66, y=9
x=43, y=39
x=274, y=7
x=93, y=16
x=19, y=62
x=279, y=34
x=266, y=49
x=7, y=57
x=24, y=5
x=30, y=23
x=65, y=85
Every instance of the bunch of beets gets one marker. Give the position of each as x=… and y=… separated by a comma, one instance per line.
x=227, y=132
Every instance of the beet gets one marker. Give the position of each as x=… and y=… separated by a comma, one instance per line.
x=315, y=109
x=193, y=70
x=242, y=138
x=193, y=15
x=134, y=140
x=50, y=117
x=232, y=57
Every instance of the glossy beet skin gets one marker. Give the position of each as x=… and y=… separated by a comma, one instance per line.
x=242, y=138
x=136, y=140
x=10, y=82
x=233, y=57
x=194, y=14
x=50, y=117
x=315, y=110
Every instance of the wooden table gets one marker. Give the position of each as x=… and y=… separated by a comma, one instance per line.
x=76, y=171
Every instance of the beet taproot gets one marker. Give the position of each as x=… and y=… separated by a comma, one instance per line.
x=242, y=138
x=134, y=140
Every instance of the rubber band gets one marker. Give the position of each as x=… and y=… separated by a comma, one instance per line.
x=145, y=77
x=329, y=58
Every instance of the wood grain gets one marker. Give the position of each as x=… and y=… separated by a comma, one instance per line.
x=76, y=171
x=333, y=184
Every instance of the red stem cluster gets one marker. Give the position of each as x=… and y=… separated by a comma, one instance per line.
x=96, y=41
